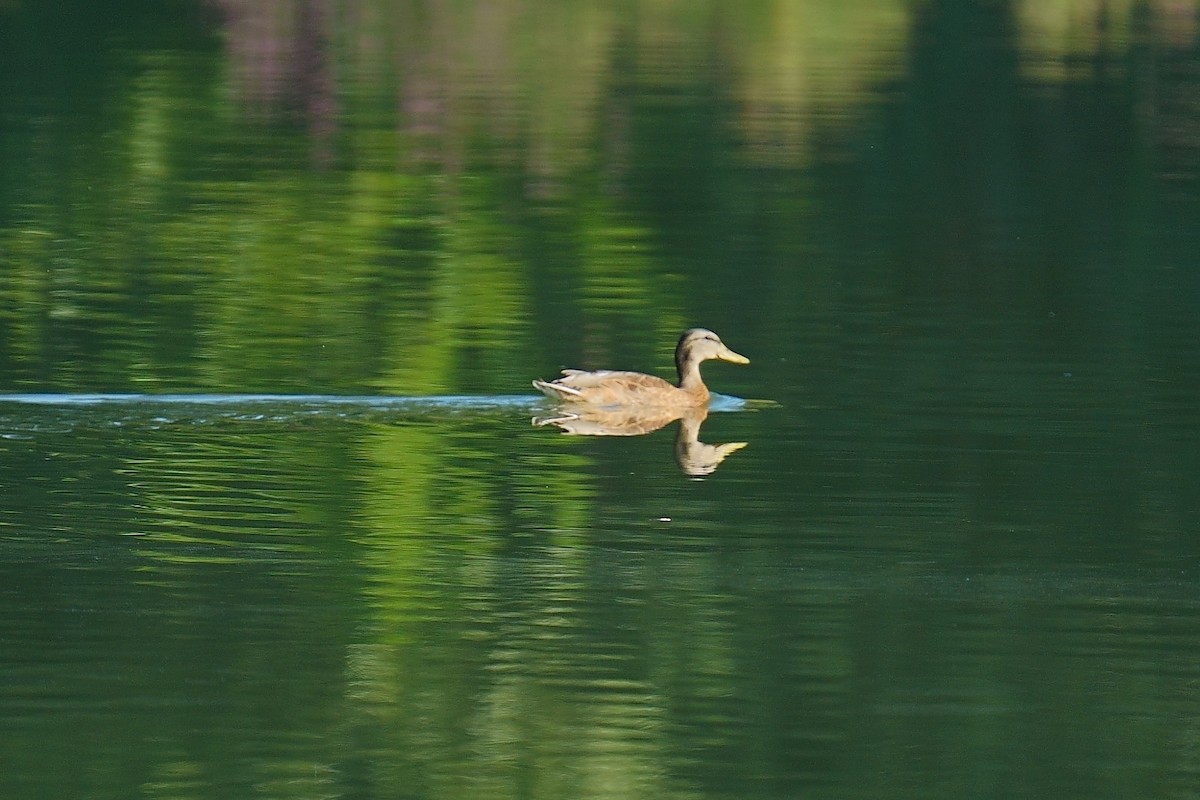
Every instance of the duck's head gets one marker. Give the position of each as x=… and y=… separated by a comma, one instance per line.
x=699, y=344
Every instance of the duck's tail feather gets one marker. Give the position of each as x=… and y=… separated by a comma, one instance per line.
x=556, y=390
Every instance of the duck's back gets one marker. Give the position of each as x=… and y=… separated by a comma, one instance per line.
x=614, y=388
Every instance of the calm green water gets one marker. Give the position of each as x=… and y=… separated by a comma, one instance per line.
x=274, y=280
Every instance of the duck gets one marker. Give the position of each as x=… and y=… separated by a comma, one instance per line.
x=611, y=388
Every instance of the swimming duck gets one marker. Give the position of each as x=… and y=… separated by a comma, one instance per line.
x=612, y=388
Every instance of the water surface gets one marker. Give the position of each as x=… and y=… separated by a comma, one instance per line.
x=274, y=520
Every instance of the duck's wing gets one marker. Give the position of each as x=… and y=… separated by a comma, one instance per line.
x=612, y=379
x=606, y=387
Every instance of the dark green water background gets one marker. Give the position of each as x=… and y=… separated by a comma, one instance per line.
x=958, y=558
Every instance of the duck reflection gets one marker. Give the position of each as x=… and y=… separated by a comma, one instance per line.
x=694, y=457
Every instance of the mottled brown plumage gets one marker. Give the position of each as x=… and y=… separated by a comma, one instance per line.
x=612, y=388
